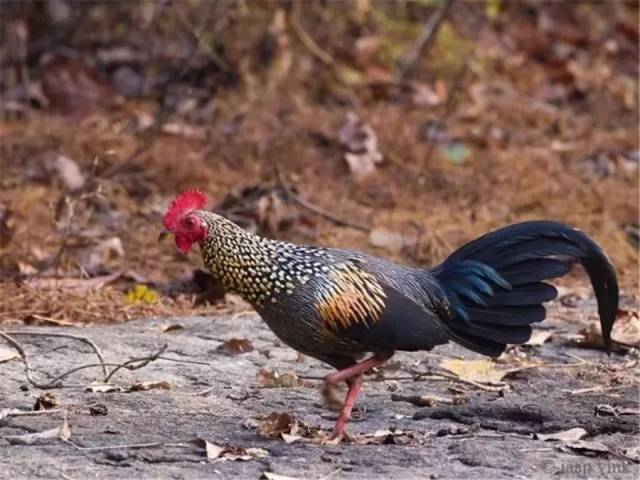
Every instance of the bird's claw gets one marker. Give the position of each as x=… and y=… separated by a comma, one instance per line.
x=337, y=437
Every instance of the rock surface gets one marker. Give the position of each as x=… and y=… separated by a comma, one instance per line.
x=221, y=399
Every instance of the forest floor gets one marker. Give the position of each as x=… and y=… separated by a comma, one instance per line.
x=302, y=124
x=225, y=399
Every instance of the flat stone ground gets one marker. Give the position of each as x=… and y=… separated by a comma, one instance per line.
x=490, y=436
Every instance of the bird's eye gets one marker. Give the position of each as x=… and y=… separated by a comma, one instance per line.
x=189, y=222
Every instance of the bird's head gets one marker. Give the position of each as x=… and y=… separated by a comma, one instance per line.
x=185, y=219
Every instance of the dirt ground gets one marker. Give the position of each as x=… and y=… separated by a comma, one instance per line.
x=308, y=122
x=215, y=382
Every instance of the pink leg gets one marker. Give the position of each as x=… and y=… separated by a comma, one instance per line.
x=354, y=376
x=355, y=383
x=354, y=370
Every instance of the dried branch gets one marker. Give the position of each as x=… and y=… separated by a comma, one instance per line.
x=423, y=42
x=315, y=209
x=308, y=42
x=183, y=443
x=79, y=338
x=440, y=376
x=133, y=364
x=25, y=360
x=7, y=413
x=141, y=362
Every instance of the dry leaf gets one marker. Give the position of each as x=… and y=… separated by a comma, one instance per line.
x=103, y=388
x=69, y=173
x=276, y=476
x=362, y=164
x=170, y=327
x=631, y=453
x=588, y=447
x=361, y=143
x=46, y=401
x=93, y=258
x=626, y=330
x=98, y=409
x=429, y=401
x=213, y=451
x=285, y=427
x=8, y=412
x=605, y=410
x=235, y=346
x=142, y=386
x=73, y=87
x=571, y=435
x=7, y=354
x=483, y=371
x=539, y=337
x=63, y=432
x=288, y=438
x=389, y=240
x=386, y=437
x=218, y=453
x=273, y=379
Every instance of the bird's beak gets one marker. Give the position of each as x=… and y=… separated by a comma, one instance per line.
x=164, y=234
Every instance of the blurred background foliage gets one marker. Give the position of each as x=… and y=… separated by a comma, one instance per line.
x=400, y=127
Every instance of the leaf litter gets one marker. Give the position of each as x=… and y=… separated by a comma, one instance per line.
x=63, y=432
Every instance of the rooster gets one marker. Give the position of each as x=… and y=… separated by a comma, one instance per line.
x=339, y=305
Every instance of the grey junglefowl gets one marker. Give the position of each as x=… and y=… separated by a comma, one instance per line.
x=338, y=305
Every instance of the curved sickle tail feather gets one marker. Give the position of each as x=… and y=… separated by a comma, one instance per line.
x=496, y=287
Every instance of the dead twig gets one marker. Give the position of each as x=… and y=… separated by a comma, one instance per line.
x=7, y=413
x=423, y=42
x=25, y=360
x=133, y=364
x=183, y=444
x=308, y=42
x=178, y=360
x=315, y=209
x=79, y=338
x=141, y=362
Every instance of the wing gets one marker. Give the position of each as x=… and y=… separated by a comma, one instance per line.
x=355, y=305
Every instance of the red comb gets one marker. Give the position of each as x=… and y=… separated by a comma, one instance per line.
x=191, y=199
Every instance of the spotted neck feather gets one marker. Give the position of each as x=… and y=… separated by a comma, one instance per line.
x=259, y=269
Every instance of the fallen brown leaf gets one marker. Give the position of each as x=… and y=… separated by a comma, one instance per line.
x=69, y=173
x=588, y=447
x=46, y=401
x=286, y=427
x=571, y=435
x=277, y=476
x=142, y=386
x=361, y=143
x=75, y=88
x=429, y=401
x=218, y=453
x=7, y=354
x=273, y=379
x=539, y=337
x=62, y=432
x=482, y=371
x=103, y=388
x=389, y=240
x=235, y=346
x=170, y=327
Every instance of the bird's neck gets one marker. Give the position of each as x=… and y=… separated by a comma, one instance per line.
x=244, y=263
